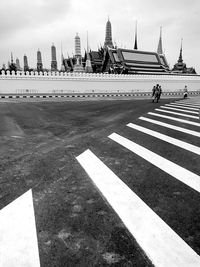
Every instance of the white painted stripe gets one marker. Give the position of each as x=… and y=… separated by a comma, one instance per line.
x=174, y=119
x=181, y=106
x=18, y=237
x=187, y=104
x=161, y=244
x=178, y=172
x=178, y=109
x=177, y=113
x=173, y=127
x=166, y=138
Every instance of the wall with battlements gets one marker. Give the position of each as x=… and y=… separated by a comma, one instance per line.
x=91, y=83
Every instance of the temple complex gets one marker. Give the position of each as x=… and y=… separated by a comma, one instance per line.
x=111, y=59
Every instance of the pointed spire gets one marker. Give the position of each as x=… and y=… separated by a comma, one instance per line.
x=88, y=65
x=181, y=56
x=135, y=45
x=160, y=50
x=62, y=59
x=108, y=37
x=11, y=57
x=87, y=43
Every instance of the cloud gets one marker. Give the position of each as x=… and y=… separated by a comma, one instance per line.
x=21, y=14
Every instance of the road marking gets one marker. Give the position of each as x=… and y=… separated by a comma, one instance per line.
x=187, y=104
x=161, y=244
x=180, y=106
x=177, y=113
x=175, y=119
x=180, y=129
x=18, y=237
x=166, y=138
x=182, y=110
x=187, y=177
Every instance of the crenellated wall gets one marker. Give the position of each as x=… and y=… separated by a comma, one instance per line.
x=91, y=83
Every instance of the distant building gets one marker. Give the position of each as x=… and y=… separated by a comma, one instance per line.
x=108, y=38
x=88, y=65
x=78, y=67
x=127, y=61
x=180, y=67
x=18, y=64
x=39, y=61
x=53, y=58
x=4, y=66
x=26, y=67
x=12, y=64
x=161, y=53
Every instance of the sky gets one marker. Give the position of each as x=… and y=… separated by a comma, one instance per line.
x=26, y=26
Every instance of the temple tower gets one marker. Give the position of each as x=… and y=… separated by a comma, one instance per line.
x=135, y=45
x=159, y=49
x=26, y=67
x=18, y=64
x=62, y=61
x=39, y=61
x=78, y=66
x=12, y=64
x=108, y=39
x=53, y=58
x=88, y=65
x=180, y=60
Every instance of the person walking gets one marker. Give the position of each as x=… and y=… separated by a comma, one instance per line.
x=159, y=92
x=185, y=92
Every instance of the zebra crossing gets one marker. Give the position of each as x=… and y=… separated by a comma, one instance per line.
x=160, y=242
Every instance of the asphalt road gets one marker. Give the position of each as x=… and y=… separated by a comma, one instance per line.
x=75, y=225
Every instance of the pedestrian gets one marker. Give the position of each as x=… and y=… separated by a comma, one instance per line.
x=153, y=91
x=185, y=92
x=159, y=92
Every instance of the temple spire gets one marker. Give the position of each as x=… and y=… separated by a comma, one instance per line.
x=135, y=45
x=181, y=56
x=88, y=65
x=108, y=39
x=11, y=57
x=160, y=50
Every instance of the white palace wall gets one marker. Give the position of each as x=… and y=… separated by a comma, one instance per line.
x=85, y=83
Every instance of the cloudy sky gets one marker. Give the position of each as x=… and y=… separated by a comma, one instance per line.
x=26, y=26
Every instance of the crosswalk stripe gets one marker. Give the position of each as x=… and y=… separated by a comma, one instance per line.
x=189, y=178
x=170, y=126
x=175, y=119
x=181, y=106
x=177, y=113
x=187, y=104
x=168, y=139
x=178, y=109
x=18, y=236
x=160, y=243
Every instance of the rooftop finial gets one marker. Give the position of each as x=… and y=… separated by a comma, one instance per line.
x=181, y=56
x=135, y=45
x=160, y=50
